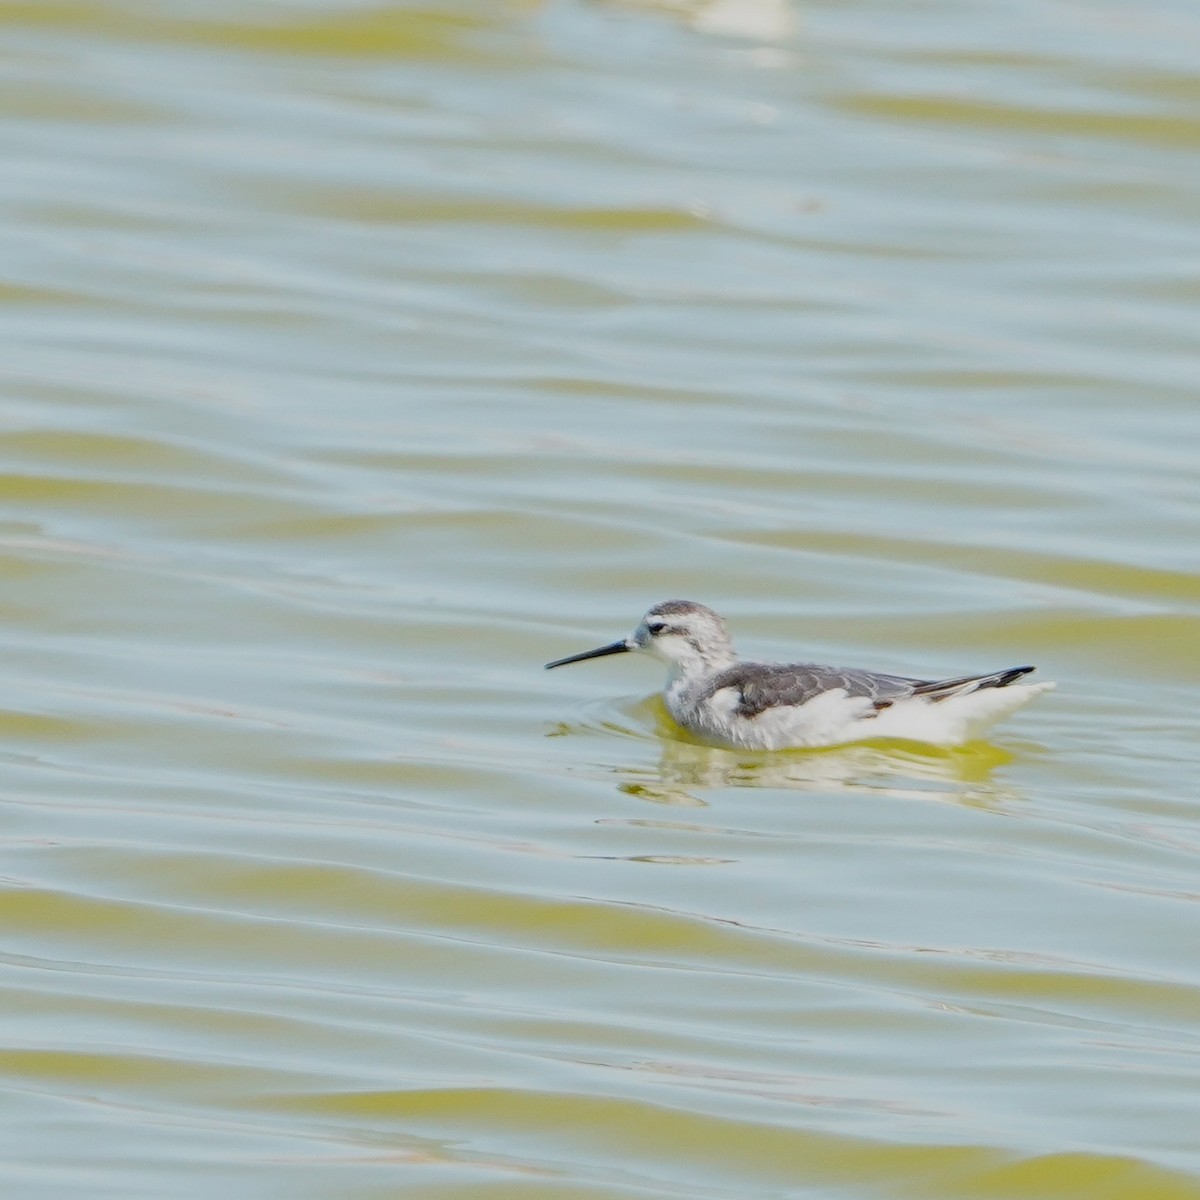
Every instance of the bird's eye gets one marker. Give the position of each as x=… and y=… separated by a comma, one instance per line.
x=656, y=627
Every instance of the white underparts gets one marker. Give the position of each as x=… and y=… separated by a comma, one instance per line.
x=834, y=717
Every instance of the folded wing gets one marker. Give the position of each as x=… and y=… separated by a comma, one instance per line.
x=763, y=686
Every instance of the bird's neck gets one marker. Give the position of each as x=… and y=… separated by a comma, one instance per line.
x=697, y=664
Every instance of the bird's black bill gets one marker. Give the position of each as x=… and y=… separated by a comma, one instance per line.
x=615, y=648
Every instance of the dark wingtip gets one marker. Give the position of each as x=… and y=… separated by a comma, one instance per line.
x=941, y=689
x=1013, y=674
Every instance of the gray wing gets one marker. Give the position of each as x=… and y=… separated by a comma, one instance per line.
x=774, y=685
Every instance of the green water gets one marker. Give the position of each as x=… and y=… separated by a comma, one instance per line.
x=360, y=358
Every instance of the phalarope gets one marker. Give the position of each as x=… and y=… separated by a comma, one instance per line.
x=775, y=706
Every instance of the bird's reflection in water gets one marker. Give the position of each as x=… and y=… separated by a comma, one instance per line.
x=904, y=770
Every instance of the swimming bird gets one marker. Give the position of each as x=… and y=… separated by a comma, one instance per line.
x=775, y=706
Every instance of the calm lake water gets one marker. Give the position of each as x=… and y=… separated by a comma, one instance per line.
x=360, y=358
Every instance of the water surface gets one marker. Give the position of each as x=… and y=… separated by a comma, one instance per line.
x=360, y=358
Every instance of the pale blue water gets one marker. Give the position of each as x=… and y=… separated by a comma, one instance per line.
x=362, y=358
